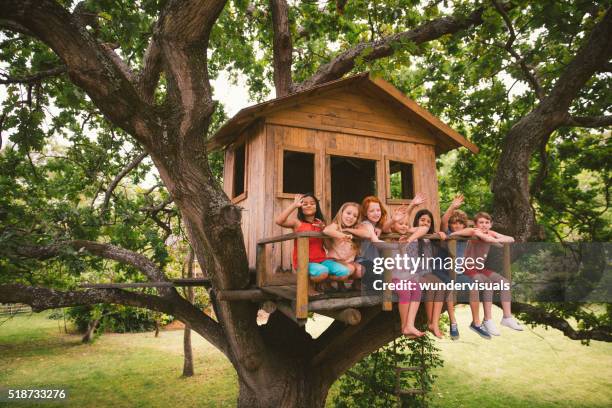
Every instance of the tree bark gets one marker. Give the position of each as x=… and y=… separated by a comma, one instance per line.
x=92, y=326
x=187, y=349
x=511, y=199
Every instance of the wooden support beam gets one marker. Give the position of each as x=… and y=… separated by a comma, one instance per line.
x=452, y=249
x=253, y=295
x=507, y=262
x=349, y=316
x=290, y=313
x=301, y=296
x=322, y=305
x=260, y=262
x=387, y=304
x=293, y=235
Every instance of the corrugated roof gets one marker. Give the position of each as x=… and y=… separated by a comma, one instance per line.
x=447, y=137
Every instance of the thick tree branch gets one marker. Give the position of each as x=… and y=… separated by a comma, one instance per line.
x=511, y=200
x=40, y=299
x=588, y=121
x=537, y=315
x=386, y=46
x=109, y=191
x=33, y=78
x=108, y=251
x=182, y=32
x=150, y=73
x=527, y=70
x=283, y=48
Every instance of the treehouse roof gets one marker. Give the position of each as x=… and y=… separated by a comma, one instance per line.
x=445, y=137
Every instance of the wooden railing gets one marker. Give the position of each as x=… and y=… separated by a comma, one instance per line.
x=301, y=297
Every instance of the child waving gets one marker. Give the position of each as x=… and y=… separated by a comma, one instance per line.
x=310, y=218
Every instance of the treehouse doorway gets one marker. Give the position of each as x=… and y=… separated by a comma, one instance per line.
x=352, y=179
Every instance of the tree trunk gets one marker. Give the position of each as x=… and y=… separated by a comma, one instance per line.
x=187, y=350
x=188, y=360
x=291, y=387
x=90, y=331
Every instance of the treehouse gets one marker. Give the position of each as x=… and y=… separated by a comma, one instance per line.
x=343, y=140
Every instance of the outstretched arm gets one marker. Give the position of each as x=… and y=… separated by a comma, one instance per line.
x=284, y=219
x=332, y=231
x=365, y=231
x=403, y=211
x=457, y=201
x=417, y=233
x=501, y=238
x=466, y=232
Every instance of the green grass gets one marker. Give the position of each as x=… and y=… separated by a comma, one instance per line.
x=118, y=370
x=536, y=368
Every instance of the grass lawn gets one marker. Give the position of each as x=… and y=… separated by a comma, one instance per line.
x=536, y=368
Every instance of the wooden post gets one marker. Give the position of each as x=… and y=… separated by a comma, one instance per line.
x=452, y=249
x=507, y=262
x=289, y=312
x=387, y=305
x=301, y=295
x=260, y=265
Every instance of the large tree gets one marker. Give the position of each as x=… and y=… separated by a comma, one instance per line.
x=145, y=71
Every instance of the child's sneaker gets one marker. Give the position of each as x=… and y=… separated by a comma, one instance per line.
x=454, y=331
x=481, y=330
x=511, y=323
x=491, y=328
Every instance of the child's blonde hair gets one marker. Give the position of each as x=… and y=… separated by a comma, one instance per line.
x=406, y=217
x=338, y=218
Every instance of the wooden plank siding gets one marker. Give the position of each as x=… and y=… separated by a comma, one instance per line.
x=335, y=123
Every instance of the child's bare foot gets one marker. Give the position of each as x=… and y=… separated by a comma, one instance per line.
x=412, y=332
x=435, y=330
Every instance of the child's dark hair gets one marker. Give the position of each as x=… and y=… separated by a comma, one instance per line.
x=318, y=212
x=431, y=230
x=421, y=213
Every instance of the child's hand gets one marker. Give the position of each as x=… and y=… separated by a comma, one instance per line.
x=418, y=199
x=297, y=201
x=347, y=237
x=457, y=201
x=442, y=235
x=400, y=213
x=403, y=238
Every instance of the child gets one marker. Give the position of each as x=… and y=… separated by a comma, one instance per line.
x=408, y=299
x=310, y=218
x=342, y=248
x=479, y=249
x=455, y=220
x=424, y=223
x=375, y=222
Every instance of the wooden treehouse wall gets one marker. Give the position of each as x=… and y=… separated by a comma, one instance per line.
x=340, y=123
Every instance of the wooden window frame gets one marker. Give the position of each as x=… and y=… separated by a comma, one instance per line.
x=329, y=152
x=244, y=194
x=280, y=167
x=395, y=201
